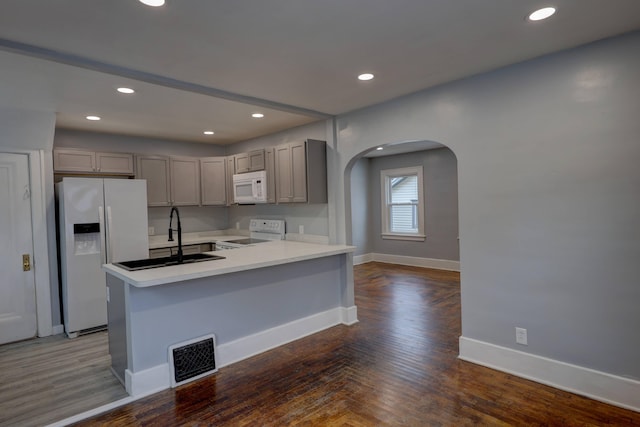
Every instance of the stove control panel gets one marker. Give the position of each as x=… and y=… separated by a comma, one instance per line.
x=271, y=226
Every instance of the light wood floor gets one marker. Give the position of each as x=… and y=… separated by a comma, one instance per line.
x=397, y=367
x=48, y=379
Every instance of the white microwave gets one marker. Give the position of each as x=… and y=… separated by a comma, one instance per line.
x=250, y=188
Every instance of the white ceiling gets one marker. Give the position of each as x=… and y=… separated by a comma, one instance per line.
x=205, y=64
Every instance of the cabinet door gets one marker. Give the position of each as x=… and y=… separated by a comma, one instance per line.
x=159, y=253
x=74, y=161
x=213, y=181
x=186, y=250
x=120, y=163
x=270, y=168
x=156, y=171
x=256, y=160
x=250, y=162
x=284, y=191
x=185, y=181
x=231, y=169
x=298, y=172
x=242, y=163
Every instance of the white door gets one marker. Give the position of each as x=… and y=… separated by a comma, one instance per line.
x=17, y=287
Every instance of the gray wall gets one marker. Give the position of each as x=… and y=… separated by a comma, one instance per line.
x=360, y=207
x=68, y=138
x=314, y=218
x=316, y=130
x=548, y=197
x=192, y=218
x=440, y=176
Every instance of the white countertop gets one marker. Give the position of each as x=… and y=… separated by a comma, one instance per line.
x=260, y=255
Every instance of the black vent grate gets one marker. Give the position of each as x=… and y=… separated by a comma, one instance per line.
x=193, y=359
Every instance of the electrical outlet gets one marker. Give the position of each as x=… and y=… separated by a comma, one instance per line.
x=152, y=231
x=237, y=226
x=521, y=336
x=301, y=229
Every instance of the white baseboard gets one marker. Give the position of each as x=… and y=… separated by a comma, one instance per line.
x=349, y=315
x=148, y=381
x=362, y=259
x=612, y=389
x=99, y=410
x=251, y=345
x=57, y=330
x=439, y=264
x=158, y=377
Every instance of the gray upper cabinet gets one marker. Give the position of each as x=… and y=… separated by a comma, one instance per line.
x=301, y=172
x=155, y=169
x=249, y=162
x=119, y=163
x=213, y=181
x=270, y=168
x=231, y=169
x=171, y=181
x=185, y=181
x=80, y=161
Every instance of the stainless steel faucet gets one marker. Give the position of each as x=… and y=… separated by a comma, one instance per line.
x=179, y=230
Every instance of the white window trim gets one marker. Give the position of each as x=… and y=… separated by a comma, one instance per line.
x=387, y=174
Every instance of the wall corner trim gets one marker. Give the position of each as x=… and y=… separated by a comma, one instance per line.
x=362, y=259
x=601, y=386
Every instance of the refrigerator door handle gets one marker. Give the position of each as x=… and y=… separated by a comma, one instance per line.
x=110, y=254
x=103, y=249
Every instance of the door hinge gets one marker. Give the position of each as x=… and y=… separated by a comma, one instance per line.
x=26, y=262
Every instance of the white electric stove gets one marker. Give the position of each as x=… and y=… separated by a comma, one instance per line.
x=260, y=230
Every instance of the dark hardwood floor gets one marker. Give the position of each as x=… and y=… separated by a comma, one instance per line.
x=397, y=367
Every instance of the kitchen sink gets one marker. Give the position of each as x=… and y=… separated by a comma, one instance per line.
x=144, y=264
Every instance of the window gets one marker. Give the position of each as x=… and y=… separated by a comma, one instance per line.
x=402, y=204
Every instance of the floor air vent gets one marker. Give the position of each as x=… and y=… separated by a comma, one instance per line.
x=192, y=359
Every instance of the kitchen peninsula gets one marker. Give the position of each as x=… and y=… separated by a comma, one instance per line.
x=256, y=298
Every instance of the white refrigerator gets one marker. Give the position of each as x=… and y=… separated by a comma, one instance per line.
x=100, y=221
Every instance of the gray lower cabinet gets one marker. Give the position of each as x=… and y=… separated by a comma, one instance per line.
x=186, y=250
x=301, y=172
x=213, y=181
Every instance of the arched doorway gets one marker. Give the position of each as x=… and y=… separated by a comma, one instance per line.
x=364, y=205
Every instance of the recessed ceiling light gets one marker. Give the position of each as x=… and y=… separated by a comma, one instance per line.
x=379, y=148
x=541, y=14
x=154, y=3
x=125, y=90
x=208, y=132
x=257, y=115
x=93, y=118
x=365, y=76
